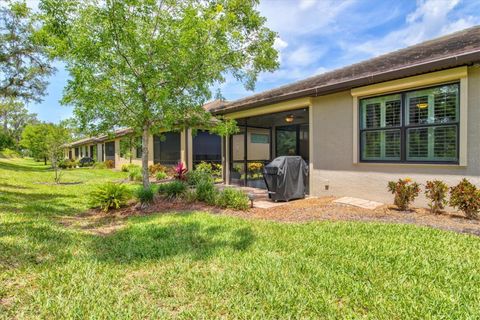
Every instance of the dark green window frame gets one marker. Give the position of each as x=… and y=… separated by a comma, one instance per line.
x=415, y=126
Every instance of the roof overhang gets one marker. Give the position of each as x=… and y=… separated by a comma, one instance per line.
x=467, y=58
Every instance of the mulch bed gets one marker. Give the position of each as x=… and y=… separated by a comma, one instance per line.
x=306, y=210
x=325, y=209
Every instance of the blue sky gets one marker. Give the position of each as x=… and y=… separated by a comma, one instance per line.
x=315, y=36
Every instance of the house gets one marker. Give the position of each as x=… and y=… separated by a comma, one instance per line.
x=411, y=113
x=166, y=148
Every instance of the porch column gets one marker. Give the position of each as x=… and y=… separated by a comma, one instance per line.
x=117, y=153
x=189, y=148
x=310, y=148
x=99, y=152
x=183, y=148
x=226, y=159
x=150, y=150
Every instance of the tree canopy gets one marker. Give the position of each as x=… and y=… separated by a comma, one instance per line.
x=150, y=64
x=45, y=141
x=24, y=64
x=14, y=117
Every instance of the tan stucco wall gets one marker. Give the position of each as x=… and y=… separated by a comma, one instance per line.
x=333, y=151
x=256, y=151
x=119, y=161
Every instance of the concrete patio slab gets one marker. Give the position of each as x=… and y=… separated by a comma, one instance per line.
x=361, y=203
x=267, y=204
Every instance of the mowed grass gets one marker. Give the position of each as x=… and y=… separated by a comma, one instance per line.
x=199, y=265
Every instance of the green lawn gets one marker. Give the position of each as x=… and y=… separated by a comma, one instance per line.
x=197, y=265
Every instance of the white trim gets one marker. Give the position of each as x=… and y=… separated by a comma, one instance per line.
x=356, y=156
x=463, y=148
x=310, y=146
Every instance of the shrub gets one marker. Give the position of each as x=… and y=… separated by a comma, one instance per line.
x=145, y=195
x=109, y=196
x=64, y=164
x=100, y=165
x=190, y=195
x=132, y=166
x=405, y=192
x=160, y=175
x=172, y=189
x=110, y=164
x=466, y=197
x=210, y=168
x=9, y=153
x=68, y=164
x=206, y=191
x=180, y=172
x=135, y=173
x=436, y=192
x=194, y=177
x=233, y=198
x=155, y=168
x=255, y=167
x=124, y=168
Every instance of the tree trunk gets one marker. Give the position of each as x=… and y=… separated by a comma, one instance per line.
x=45, y=160
x=5, y=122
x=145, y=134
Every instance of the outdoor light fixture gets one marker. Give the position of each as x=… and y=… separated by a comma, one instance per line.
x=289, y=118
x=251, y=197
x=422, y=105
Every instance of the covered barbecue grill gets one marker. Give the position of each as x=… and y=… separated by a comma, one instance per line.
x=286, y=178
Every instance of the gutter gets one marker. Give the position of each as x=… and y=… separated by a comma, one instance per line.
x=411, y=70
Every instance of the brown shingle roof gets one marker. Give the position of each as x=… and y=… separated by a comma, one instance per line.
x=456, y=49
x=214, y=104
x=115, y=134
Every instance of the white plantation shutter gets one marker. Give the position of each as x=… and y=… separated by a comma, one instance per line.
x=429, y=132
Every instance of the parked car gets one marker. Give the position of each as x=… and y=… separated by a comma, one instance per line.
x=86, y=162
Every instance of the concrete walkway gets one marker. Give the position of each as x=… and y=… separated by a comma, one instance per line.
x=361, y=203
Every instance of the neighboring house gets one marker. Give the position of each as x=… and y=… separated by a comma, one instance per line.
x=410, y=113
x=167, y=148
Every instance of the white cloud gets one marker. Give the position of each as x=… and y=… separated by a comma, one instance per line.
x=429, y=20
x=292, y=17
x=303, y=56
x=305, y=4
x=280, y=44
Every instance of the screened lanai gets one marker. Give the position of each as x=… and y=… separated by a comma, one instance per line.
x=263, y=138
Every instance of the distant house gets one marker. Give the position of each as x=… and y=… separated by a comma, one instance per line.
x=414, y=112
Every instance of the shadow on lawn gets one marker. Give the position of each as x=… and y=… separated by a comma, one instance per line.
x=12, y=186
x=39, y=241
x=36, y=242
x=152, y=241
x=19, y=167
x=35, y=203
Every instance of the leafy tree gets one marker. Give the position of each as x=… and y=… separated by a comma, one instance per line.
x=128, y=146
x=6, y=141
x=71, y=124
x=24, y=65
x=46, y=141
x=34, y=140
x=14, y=117
x=55, y=139
x=150, y=64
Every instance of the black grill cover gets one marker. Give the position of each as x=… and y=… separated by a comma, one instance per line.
x=286, y=178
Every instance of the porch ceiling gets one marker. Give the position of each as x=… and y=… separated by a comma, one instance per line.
x=300, y=116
